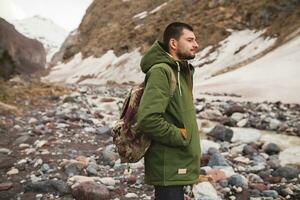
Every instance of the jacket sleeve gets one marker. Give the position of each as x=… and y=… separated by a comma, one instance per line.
x=150, y=115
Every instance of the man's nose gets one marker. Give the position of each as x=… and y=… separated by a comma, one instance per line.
x=196, y=45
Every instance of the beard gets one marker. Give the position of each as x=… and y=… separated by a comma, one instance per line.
x=185, y=55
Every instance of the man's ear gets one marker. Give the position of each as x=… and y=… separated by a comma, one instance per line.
x=173, y=44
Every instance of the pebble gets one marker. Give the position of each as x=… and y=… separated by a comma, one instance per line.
x=221, y=132
x=92, y=170
x=13, y=171
x=38, y=162
x=108, y=181
x=5, y=151
x=104, y=130
x=45, y=168
x=271, y=149
x=5, y=186
x=131, y=195
x=238, y=181
x=217, y=160
x=270, y=193
x=90, y=191
x=286, y=172
x=205, y=189
x=24, y=146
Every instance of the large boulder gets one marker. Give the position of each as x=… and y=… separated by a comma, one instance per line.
x=19, y=54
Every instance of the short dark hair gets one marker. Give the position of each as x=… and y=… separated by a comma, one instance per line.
x=174, y=30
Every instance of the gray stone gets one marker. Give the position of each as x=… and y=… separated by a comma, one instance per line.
x=273, y=162
x=286, y=172
x=45, y=168
x=233, y=108
x=270, y=193
x=92, y=169
x=257, y=159
x=223, y=183
x=108, y=155
x=48, y=186
x=238, y=181
x=73, y=169
x=217, y=160
x=104, y=130
x=212, y=150
x=222, y=133
x=274, y=124
x=211, y=115
x=271, y=149
x=237, y=116
x=21, y=139
x=264, y=174
x=249, y=150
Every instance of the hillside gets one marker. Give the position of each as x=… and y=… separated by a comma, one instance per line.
x=137, y=25
x=19, y=54
x=107, y=48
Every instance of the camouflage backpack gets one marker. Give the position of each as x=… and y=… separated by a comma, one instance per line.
x=130, y=142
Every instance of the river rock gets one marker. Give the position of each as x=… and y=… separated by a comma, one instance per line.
x=90, y=191
x=221, y=132
x=48, y=186
x=205, y=189
x=270, y=193
x=238, y=181
x=271, y=148
x=217, y=160
x=286, y=172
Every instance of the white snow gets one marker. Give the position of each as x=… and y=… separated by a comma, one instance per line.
x=274, y=77
x=158, y=8
x=43, y=30
x=238, y=47
x=141, y=15
x=109, y=67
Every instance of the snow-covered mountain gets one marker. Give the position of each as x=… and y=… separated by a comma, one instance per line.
x=259, y=75
x=249, y=49
x=43, y=30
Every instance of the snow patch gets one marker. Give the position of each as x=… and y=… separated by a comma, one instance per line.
x=96, y=71
x=236, y=48
x=158, y=8
x=273, y=77
x=141, y=15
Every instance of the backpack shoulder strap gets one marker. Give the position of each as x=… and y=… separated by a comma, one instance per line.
x=173, y=81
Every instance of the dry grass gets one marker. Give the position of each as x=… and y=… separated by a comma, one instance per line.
x=19, y=96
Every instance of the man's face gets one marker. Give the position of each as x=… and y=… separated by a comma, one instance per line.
x=186, y=45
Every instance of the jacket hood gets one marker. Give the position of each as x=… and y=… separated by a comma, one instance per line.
x=155, y=55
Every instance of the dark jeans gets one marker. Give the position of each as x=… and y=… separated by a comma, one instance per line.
x=169, y=192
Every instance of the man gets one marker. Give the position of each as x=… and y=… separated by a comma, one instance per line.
x=168, y=119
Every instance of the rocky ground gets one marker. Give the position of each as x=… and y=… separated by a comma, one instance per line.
x=64, y=150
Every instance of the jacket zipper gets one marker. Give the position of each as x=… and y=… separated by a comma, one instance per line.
x=178, y=78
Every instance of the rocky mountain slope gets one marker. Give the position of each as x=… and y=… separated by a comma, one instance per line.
x=19, y=54
x=107, y=47
x=138, y=24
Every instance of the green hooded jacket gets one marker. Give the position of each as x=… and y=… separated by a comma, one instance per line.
x=171, y=159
